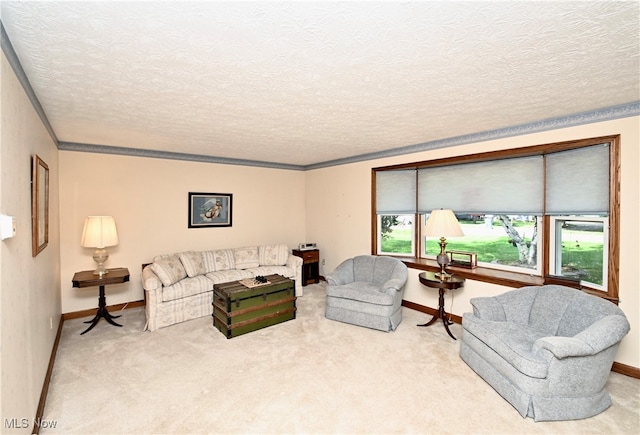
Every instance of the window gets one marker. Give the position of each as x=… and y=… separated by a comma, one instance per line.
x=396, y=234
x=518, y=208
x=579, y=248
x=507, y=242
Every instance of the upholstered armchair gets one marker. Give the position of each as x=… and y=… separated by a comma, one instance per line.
x=547, y=350
x=367, y=291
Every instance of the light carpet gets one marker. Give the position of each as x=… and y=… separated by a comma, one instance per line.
x=308, y=375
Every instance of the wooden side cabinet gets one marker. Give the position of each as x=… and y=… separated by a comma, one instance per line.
x=310, y=265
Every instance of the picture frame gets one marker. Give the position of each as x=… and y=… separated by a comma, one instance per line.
x=467, y=260
x=208, y=210
x=39, y=205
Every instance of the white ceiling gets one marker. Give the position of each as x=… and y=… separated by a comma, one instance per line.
x=308, y=82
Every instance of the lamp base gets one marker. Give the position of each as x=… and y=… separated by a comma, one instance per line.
x=100, y=256
x=443, y=260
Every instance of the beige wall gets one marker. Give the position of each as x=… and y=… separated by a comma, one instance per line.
x=339, y=203
x=149, y=201
x=29, y=286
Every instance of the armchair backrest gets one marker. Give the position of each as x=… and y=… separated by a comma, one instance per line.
x=554, y=309
x=585, y=310
x=549, y=306
x=363, y=268
x=378, y=269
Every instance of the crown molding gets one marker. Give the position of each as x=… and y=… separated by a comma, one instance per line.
x=169, y=155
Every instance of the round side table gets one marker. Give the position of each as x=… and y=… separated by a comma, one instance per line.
x=453, y=282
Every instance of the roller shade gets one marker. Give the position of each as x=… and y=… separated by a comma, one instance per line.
x=507, y=186
x=396, y=192
x=578, y=181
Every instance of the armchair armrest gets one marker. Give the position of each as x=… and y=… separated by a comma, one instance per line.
x=394, y=284
x=601, y=335
x=562, y=347
x=343, y=274
x=605, y=332
x=488, y=308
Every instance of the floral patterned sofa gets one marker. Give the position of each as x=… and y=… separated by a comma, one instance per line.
x=179, y=287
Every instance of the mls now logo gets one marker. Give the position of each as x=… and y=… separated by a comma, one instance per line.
x=16, y=423
x=23, y=423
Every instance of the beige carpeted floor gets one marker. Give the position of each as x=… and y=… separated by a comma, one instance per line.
x=308, y=375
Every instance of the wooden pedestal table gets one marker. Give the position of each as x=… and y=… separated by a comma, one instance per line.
x=451, y=283
x=86, y=278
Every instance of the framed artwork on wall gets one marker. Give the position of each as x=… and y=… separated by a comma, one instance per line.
x=210, y=209
x=39, y=205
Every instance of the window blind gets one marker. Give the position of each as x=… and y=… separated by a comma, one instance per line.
x=507, y=186
x=578, y=181
x=396, y=192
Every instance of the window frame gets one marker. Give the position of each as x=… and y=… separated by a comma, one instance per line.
x=517, y=279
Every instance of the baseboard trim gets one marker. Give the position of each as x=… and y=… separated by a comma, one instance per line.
x=624, y=369
x=617, y=367
x=47, y=380
x=93, y=311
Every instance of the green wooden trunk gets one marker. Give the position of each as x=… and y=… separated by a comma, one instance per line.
x=238, y=309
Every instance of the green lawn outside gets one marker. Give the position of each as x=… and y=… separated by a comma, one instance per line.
x=584, y=258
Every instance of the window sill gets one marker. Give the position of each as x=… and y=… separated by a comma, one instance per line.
x=491, y=276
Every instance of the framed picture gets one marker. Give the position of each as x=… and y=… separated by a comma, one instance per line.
x=210, y=209
x=39, y=205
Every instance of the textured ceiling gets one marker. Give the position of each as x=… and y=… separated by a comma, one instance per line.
x=308, y=82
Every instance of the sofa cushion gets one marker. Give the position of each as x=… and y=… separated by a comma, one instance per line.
x=273, y=255
x=193, y=263
x=187, y=287
x=512, y=341
x=209, y=262
x=220, y=259
x=169, y=270
x=361, y=291
x=285, y=271
x=221, y=276
x=246, y=258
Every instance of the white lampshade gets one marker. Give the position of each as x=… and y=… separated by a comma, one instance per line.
x=442, y=223
x=99, y=232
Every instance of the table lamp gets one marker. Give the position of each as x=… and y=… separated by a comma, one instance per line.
x=442, y=223
x=99, y=232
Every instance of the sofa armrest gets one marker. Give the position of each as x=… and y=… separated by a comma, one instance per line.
x=295, y=262
x=150, y=280
x=488, y=308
